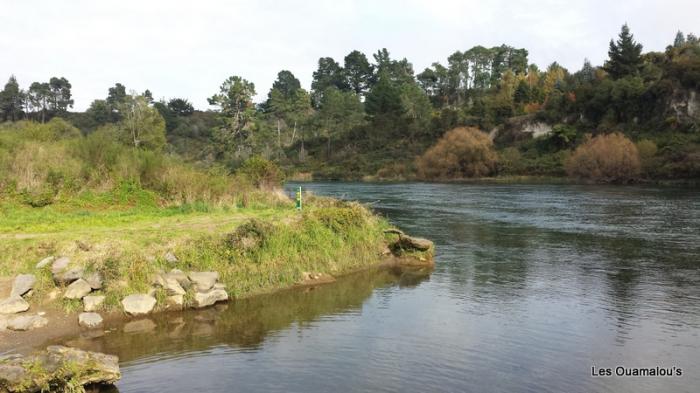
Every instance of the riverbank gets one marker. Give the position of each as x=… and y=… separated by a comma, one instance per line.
x=252, y=250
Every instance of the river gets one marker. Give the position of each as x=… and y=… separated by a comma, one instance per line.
x=534, y=286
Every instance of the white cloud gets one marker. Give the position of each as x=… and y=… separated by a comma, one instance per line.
x=187, y=48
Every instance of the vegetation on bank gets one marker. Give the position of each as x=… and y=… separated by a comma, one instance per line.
x=119, y=208
x=374, y=117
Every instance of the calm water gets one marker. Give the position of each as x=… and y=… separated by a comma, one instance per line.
x=533, y=286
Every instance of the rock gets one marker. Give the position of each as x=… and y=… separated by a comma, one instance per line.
x=13, y=305
x=181, y=278
x=57, y=366
x=94, y=279
x=173, y=287
x=59, y=265
x=175, y=302
x=93, y=302
x=77, y=290
x=203, y=281
x=26, y=322
x=409, y=243
x=90, y=320
x=45, y=262
x=140, y=326
x=23, y=284
x=3, y=322
x=170, y=257
x=204, y=299
x=138, y=304
x=394, y=231
x=219, y=285
x=68, y=276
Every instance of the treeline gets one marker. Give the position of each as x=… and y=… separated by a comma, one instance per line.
x=365, y=117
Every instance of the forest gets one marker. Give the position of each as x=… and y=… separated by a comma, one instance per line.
x=485, y=112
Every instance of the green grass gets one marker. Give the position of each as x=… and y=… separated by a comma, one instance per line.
x=127, y=243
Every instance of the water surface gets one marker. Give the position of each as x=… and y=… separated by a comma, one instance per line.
x=534, y=285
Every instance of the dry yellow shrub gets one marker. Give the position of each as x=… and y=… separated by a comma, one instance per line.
x=606, y=158
x=460, y=153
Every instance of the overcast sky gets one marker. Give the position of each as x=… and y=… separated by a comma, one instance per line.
x=187, y=48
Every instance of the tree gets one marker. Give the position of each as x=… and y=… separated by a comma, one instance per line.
x=358, y=72
x=328, y=74
x=384, y=98
x=605, y=158
x=11, y=100
x=116, y=95
x=235, y=101
x=99, y=113
x=180, y=107
x=141, y=124
x=340, y=111
x=460, y=153
x=287, y=84
x=59, y=95
x=679, y=41
x=38, y=98
x=624, y=55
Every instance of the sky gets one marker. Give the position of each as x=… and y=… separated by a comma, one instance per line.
x=187, y=49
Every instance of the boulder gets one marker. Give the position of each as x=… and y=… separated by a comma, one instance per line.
x=170, y=257
x=3, y=322
x=45, y=262
x=68, y=276
x=409, y=243
x=203, y=281
x=26, y=322
x=23, y=283
x=175, y=302
x=181, y=278
x=93, y=302
x=13, y=305
x=140, y=304
x=59, y=265
x=90, y=320
x=94, y=279
x=57, y=366
x=205, y=299
x=173, y=287
x=77, y=290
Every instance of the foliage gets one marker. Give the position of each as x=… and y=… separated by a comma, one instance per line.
x=610, y=158
x=460, y=153
x=261, y=172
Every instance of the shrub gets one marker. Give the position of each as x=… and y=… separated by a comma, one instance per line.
x=261, y=172
x=249, y=236
x=605, y=158
x=339, y=218
x=460, y=153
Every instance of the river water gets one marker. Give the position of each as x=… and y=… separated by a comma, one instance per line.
x=534, y=285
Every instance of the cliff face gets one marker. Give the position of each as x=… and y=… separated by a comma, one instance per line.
x=684, y=105
x=518, y=129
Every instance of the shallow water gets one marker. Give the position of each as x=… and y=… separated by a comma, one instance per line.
x=534, y=285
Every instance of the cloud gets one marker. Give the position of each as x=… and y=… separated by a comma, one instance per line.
x=186, y=49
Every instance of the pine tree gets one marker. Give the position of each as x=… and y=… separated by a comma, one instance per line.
x=625, y=55
x=679, y=40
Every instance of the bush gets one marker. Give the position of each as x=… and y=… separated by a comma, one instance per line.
x=261, y=172
x=460, y=153
x=339, y=219
x=606, y=158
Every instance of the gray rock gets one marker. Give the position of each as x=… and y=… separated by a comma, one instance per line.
x=173, y=287
x=181, y=278
x=45, y=262
x=203, y=281
x=68, y=276
x=94, y=279
x=17, y=375
x=219, y=285
x=204, y=299
x=26, y=322
x=77, y=290
x=170, y=257
x=409, y=243
x=93, y=302
x=13, y=305
x=175, y=302
x=3, y=322
x=140, y=304
x=59, y=265
x=23, y=284
x=90, y=320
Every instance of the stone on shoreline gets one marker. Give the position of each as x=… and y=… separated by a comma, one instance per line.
x=68, y=276
x=23, y=283
x=181, y=278
x=175, y=302
x=92, y=302
x=204, y=299
x=26, y=322
x=409, y=243
x=59, y=265
x=45, y=262
x=94, y=279
x=57, y=365
x=77, y=290
x=90, y=320
x=13, y=305
x=170, y=257
x=3, y=322
x=203, y=281
x=139, y=304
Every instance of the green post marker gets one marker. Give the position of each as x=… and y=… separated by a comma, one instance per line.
x=299, y=199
